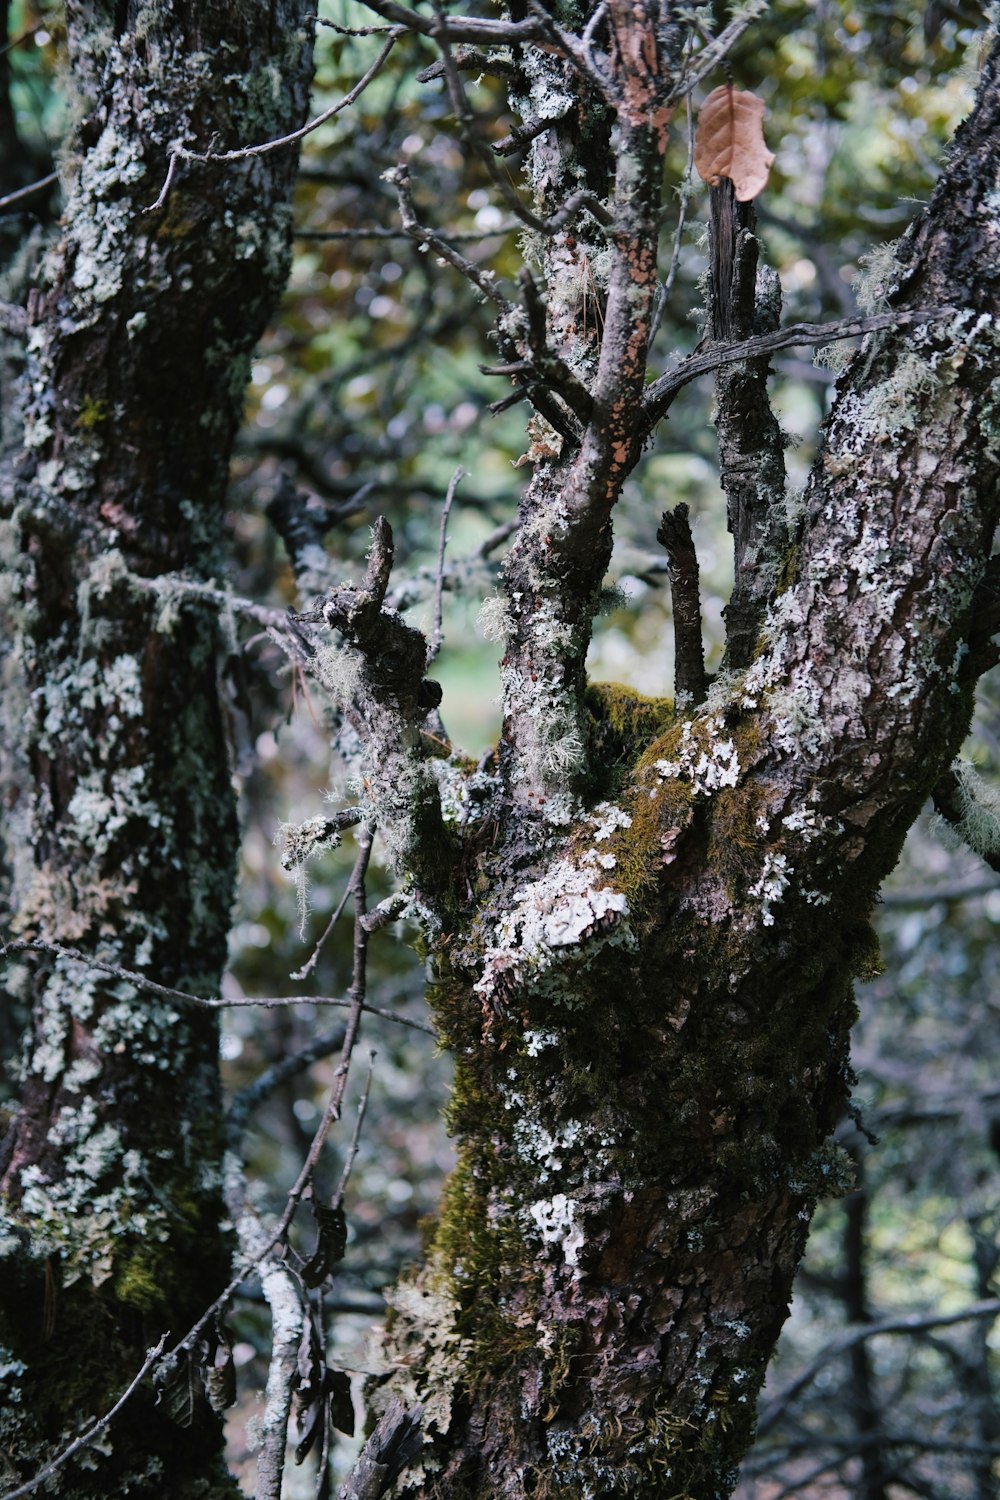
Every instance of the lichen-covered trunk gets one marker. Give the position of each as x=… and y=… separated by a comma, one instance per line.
x=645, y=955
x=119, y=818
x=645, y=1094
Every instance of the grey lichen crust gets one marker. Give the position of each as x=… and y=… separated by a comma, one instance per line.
x=121, y=830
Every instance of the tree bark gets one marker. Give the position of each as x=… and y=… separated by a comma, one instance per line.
x=645, y=925
x=120, y=823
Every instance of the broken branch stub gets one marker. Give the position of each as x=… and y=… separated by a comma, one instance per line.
x=729, y=142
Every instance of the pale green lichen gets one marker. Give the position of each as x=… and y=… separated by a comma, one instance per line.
x=299, y=843
x=978, y=826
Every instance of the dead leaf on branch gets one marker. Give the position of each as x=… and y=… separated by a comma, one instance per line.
x=729, y=142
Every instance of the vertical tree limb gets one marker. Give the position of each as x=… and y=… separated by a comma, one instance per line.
x=746, y=300
x=674, y=534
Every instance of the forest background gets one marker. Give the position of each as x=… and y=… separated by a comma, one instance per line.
x=368, y=397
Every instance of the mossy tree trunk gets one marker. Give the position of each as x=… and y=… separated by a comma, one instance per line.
x=646, y=923
x=119, y=817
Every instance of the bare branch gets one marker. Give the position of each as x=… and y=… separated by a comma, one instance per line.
x=285, y=1297
x=394, y=1443
x=848, y=1338
x=661, y=392
x=685, y=193
x=484, y=281
x=674, y=534
x=460, y=29
x=352, y=1150
x=9, y=199
x=522, y=135
x=470, y=61
x=359, y=981
x=242, y=1104
x=92, y=1433
x=311, y=962
x=242, y=153
x=904, y=897
x=454, y=237
x=437, y=631
x=143, y=982
x=716, y=50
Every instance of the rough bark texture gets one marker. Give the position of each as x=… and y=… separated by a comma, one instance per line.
x=645, y=924
x=119, y=820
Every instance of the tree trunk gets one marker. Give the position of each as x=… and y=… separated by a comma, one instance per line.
x=645, y=925
x=120, y=825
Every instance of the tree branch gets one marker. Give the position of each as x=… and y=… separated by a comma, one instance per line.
x=674, y=534
x=906, y=1323
x=242, y=153
x=394, y=1444
x=660, y=393
x=143, y=982
x=92, y=1433
x=376, y=676
x=743, y=302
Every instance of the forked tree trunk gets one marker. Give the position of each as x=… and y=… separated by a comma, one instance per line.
x=647, y=925
x=119, y=816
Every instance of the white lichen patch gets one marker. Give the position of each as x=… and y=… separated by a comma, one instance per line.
x=705, y=758
x=494, y=619
x=113, y=690
x=564, y=910
x=80, y=1220
x=771, y=884
x=102, y=807
x=558, y=748
x=535, y=1042
x=555, y=1223
x=607, y=819
x=544, y=1151
x=425, y=1353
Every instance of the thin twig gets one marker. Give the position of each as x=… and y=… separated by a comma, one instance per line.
x=351, y=30
x=716, y=50
x=223, y=1002
x=685, y=193
x=359, y=980
x=313, y=959
x=483, y=281
x=522, y=135
x=496, y=539
x=331, y=1112
x=173, y=583
x=486, y=33
x=661, y=392
x=24, y=36
x=242, y=153
x=85, y=1438
x=27, y=192
x=902, y=897
x=454, y=237
x=437, y=632
x=858, y=1334
x=337, y=1200
x=242, y=1104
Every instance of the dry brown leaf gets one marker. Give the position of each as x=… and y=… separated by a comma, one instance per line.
x=729, y=142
